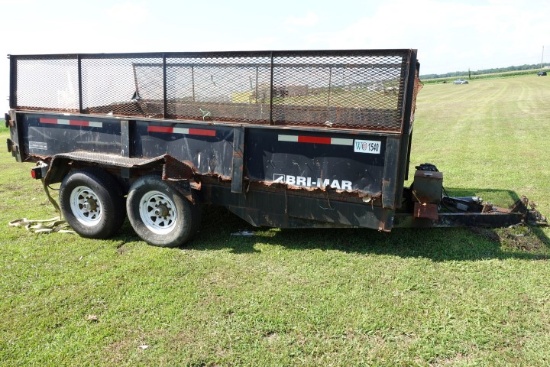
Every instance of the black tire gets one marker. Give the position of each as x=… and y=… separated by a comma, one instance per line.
x=92, y=203
x=160, y=214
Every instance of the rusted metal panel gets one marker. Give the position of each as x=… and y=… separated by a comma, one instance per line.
x=313, y=160
x=425, y=210
x=278, y=207
x=428, y=187
x=174, y=169
x=208, y=147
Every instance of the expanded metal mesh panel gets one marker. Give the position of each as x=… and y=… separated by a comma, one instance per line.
x=220, y=88
x=340, y=89
x=353, y=91
x=47, y=84
x=109, y=85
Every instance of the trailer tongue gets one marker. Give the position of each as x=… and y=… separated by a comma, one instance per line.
x=280, y=138
x=432, y=207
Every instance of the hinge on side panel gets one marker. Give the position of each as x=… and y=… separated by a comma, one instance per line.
x=12, y=147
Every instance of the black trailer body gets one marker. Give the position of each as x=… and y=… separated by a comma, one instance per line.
x=280, y=138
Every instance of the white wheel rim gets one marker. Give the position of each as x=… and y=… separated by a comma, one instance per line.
x=86, y=206
x=158, y=212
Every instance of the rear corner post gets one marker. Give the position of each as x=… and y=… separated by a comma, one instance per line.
x=391, y=173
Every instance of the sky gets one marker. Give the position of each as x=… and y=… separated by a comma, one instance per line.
x=450, y=35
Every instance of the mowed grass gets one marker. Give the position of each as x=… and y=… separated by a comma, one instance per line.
x=489, y=136
x=414, y=297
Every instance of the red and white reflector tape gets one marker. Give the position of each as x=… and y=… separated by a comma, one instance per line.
x=54, y=121
x=180, y=130
x=315, y=140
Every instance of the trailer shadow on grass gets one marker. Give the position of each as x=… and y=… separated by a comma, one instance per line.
x=222, y=230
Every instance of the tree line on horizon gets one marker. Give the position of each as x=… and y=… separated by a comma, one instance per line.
x=486, y=71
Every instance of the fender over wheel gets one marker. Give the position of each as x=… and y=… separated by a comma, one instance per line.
x=160, y=214
x=92, y=203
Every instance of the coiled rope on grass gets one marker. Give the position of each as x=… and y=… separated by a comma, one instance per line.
x=55, y=224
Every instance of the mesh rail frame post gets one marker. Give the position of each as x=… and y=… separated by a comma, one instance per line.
x=80, y=107
x=13, y=82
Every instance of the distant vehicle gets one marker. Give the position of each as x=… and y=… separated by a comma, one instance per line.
x=541, y=73
x=461, y=81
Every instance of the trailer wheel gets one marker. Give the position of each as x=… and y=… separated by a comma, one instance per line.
x=160, y=214
x=92, y=203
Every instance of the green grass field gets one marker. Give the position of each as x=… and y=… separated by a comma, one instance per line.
x=414, y=297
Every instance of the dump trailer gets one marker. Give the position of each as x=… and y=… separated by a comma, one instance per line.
x=290, y=139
